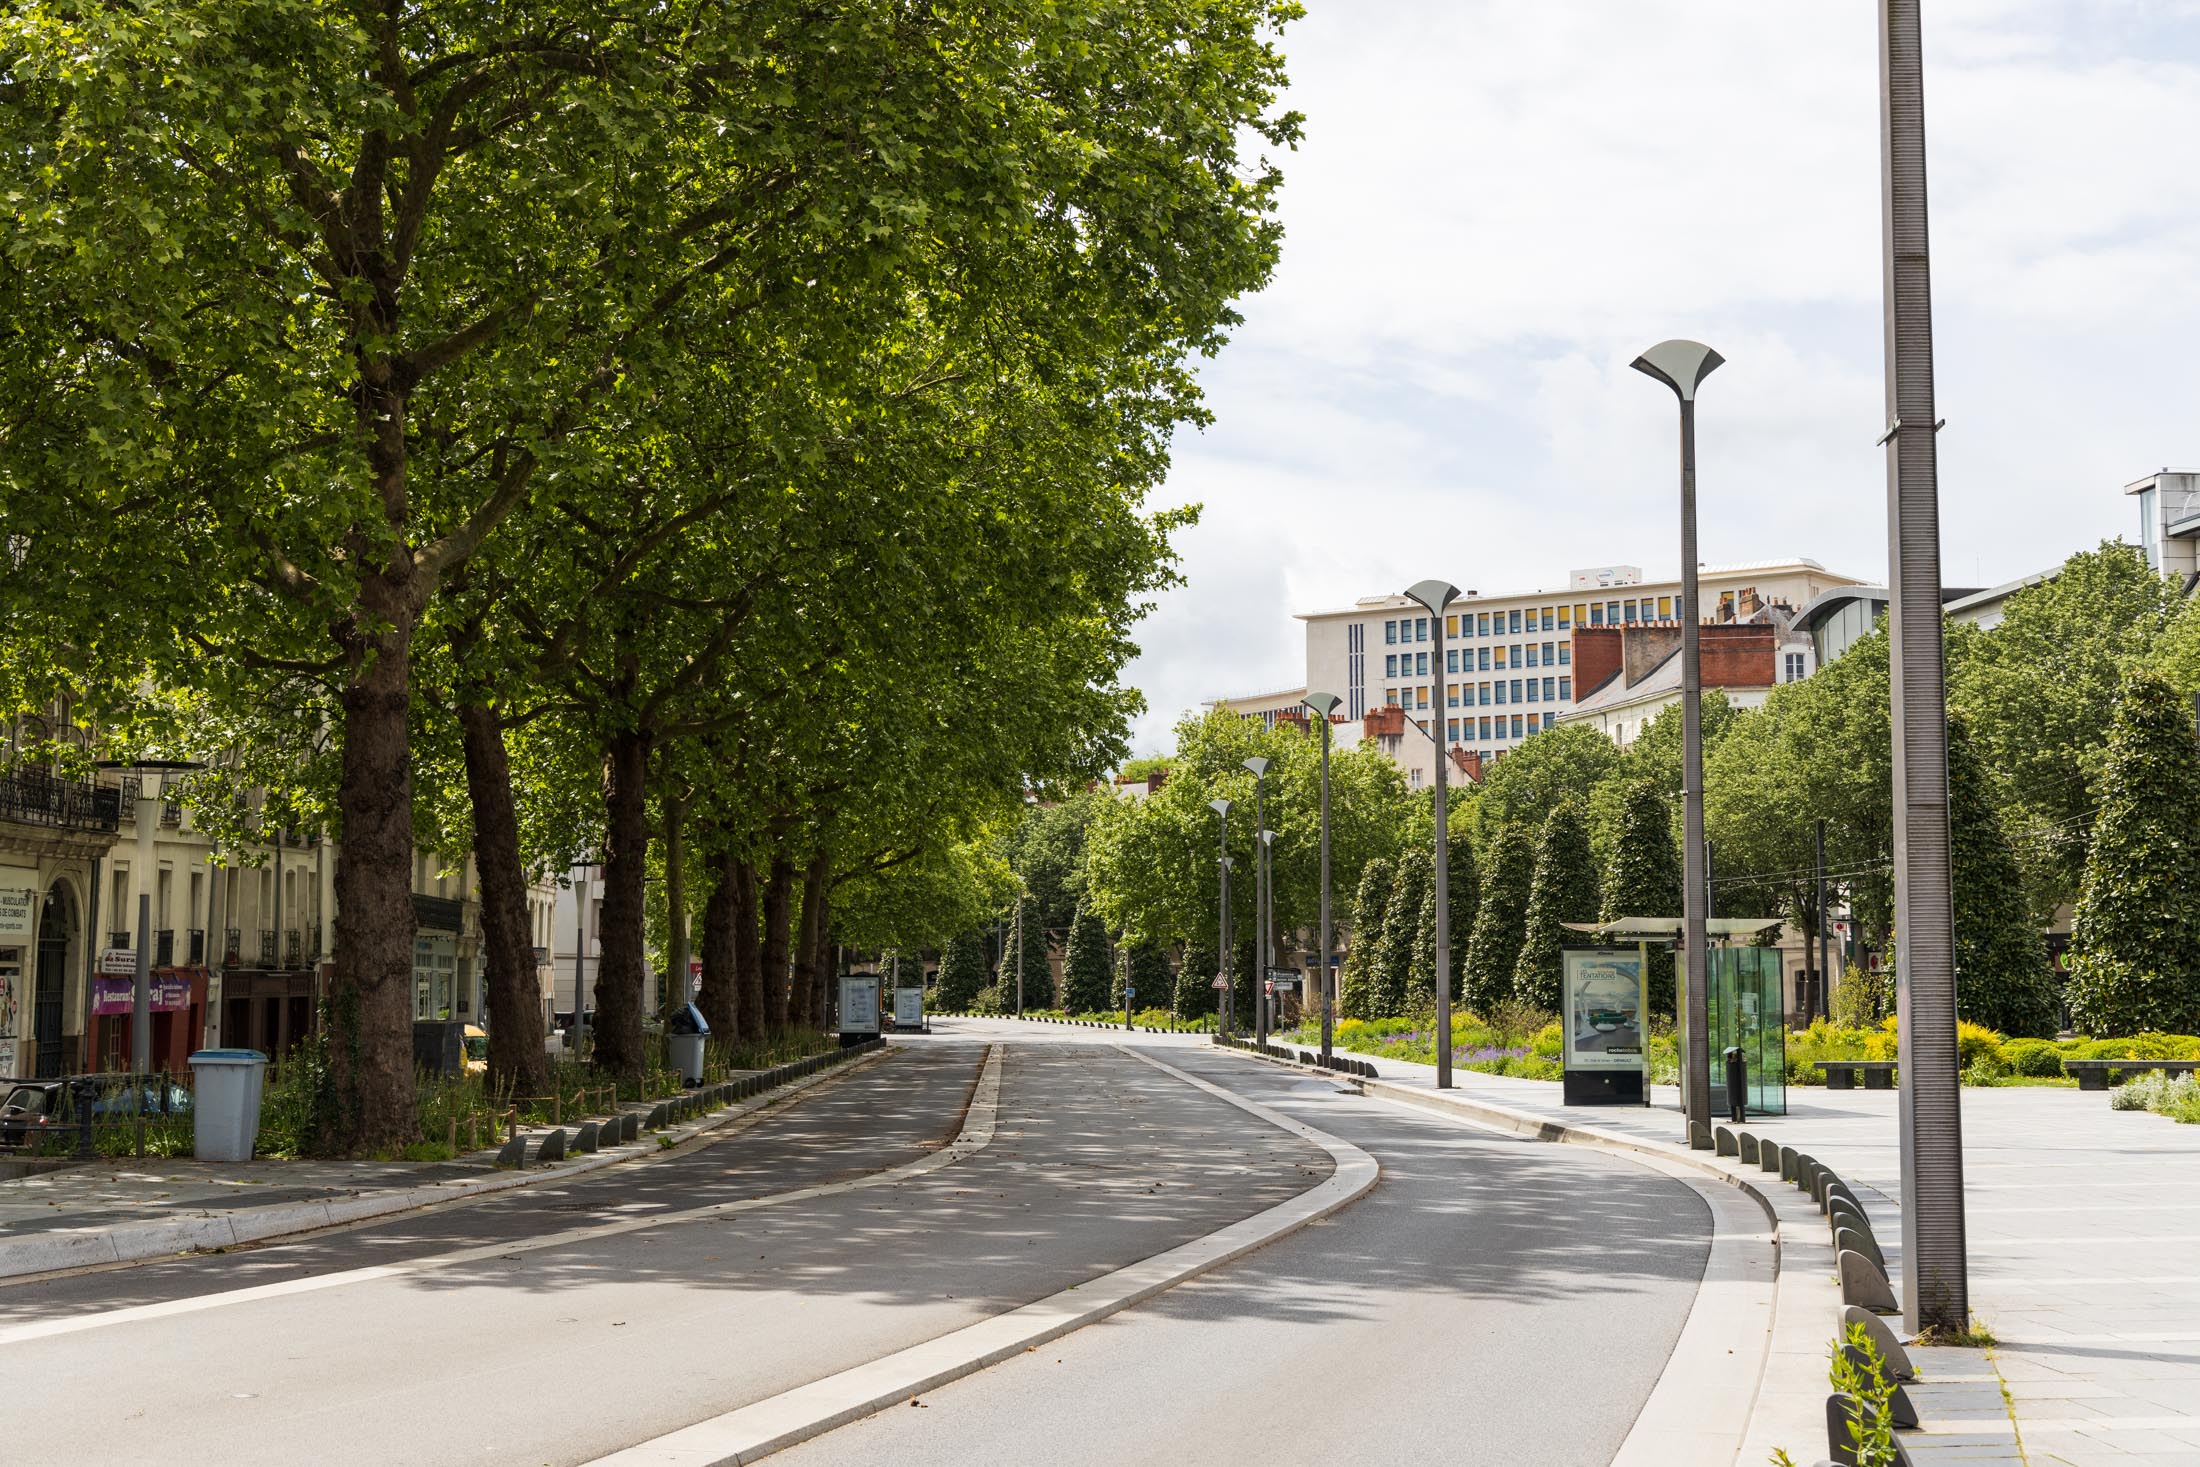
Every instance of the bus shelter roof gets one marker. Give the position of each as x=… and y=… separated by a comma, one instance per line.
x=1668, y=929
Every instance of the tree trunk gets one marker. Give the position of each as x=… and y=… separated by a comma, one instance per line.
x=626, y=856
x=371, y=1103
x=778, y=913
x=517, y=1064
x=748, y=951
x=679, y=981
x=720, y=999
x=811, y=966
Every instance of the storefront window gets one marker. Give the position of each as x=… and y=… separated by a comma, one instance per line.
x=435, y=975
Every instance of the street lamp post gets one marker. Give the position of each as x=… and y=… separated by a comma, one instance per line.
x=1259, y=768
x=1270, y=1009
x=1682, y=366
x=1222, y=935
x=1322, y=705
x=1935, y=1281
x=1436, y=595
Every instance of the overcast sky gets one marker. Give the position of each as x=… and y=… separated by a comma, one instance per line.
x=1498, y=205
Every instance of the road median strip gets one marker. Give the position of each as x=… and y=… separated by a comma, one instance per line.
x=778, y=1422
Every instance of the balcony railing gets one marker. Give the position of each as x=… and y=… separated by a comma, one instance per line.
x=267, y=947
x=164, y=948
x=171, y=811
x=294, y=947
x=34, y=797
x=232, y=946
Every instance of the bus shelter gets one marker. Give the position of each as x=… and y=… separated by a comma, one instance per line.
x=1745, y=1001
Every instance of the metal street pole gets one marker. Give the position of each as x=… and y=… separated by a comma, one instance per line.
x=1259, y=768
x=1222, y=958
x=1269, y=1005
x=1323, y=705
x=1935, y=1284
x=1682, y=366
x=1825, y=951
x=1019, y=939
x=141, y=994
x=580, y=961
x=1436, y=595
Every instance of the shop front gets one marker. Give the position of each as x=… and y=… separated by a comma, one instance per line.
x=178, y=1009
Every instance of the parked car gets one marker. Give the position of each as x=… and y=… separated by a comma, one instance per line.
x=475, y=1039
x=30, y=1107
x=158, y=1098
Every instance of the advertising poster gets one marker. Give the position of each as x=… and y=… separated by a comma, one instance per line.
x=859, y=1004
x=1603, y=1009
x=908, y=1008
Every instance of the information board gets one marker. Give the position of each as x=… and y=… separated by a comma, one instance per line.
x=859, y=1004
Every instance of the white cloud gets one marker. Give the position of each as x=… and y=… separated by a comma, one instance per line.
x=1498, y=205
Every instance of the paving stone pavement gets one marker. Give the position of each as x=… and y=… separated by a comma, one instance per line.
x=2084, y=1233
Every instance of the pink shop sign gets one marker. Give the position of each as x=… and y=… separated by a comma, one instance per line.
x=112, y=995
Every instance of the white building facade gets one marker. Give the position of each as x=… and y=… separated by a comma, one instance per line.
x=1507, y=669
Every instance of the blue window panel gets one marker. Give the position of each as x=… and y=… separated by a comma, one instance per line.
x=1565, y=654
x=1451, y=659
x=1500, y=690
x=1565, y=687
x=1481, y=623
x=1596, y=615
x=1390, y=665
x=1420, y=629
x=1516, y=690
x=1550, y=690
x=1390, y=632
x=1535, y=694
x=1518, y=732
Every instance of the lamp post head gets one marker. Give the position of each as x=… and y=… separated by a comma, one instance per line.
x=1323, y=704
x=1679, y=364
x=1258, y=766
x=1227, y=863
x=1267, y=837
x=1220, y=807
x=1435, y=595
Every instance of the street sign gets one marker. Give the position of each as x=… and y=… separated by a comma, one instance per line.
x=1220, y=982
x=119, y=962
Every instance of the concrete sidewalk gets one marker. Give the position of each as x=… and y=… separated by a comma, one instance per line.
x=2084, y=1228
x=127, y=1210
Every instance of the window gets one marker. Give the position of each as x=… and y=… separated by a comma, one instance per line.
x=1794, y=668
x=1532, y=656
x=1390, y=632
x=1665, y=608
x=1422, y=693
x=1566, y=688
x=1482, y=659
x=1390, y=665
x=1451, y=626
x=1451, y=697
x=1550, y=690
x=1627, y=611
x=1513, y=622
x=1517, y=729
x=1596, y=615
x=1481, y=623
x=1420, y=664
x=1565, y=654
x=1390, y=697
x=1549, y=620
x=1451, y=659
x=1451, y=729
x=1485, y=727
x=1356, y=669
x=1516, y=690
x=1501, y=655
x=1565, y=617
x=1611, y=613
x=1484, y=700
x=1500, y=691
x=1550, y=653
x=1420, y=629
x=1534, y=691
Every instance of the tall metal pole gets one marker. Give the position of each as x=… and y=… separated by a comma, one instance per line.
x=1437, y=595
x=1019, y=940
x=1259, y=769
x=1824, y=1008
x=580, y=961
x=1323, y=704
x=1682, y=366
x=1935, y=1285
x=1222, y=935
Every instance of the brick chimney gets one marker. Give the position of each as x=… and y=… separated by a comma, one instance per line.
x=1386, y=722
x=1596, y=657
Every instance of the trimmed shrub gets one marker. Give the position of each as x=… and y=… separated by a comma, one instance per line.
x=1087, y=969
x=1564, y=889
x=1979, y=1048
x=1355, y=982
x=1195, y=983
x=1393, y=975
x=1500, y=919
x=961, y=974
x=2035, y=1059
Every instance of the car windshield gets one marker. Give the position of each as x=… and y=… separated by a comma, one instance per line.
x=477, y=1046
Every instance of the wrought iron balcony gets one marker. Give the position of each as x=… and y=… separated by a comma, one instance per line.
x=267, y=947
x=35, y=797
x=294, y=947
x=232, y=946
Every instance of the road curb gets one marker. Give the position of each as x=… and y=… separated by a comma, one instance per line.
x=778, y=1422
x=1786, y=1407
x=57, y=1252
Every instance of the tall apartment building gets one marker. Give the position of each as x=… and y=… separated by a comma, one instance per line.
x=1507, y=671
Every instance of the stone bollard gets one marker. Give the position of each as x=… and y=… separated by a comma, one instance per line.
x=553, y=1147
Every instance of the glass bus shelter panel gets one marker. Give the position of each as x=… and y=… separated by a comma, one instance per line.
x=1746, y=1010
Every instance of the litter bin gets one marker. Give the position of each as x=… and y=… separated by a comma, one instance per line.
x=225, y=1115
x=685, y=1036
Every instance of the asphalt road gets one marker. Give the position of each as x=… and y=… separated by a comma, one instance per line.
x=1493, y=1301
x=562, y=1353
